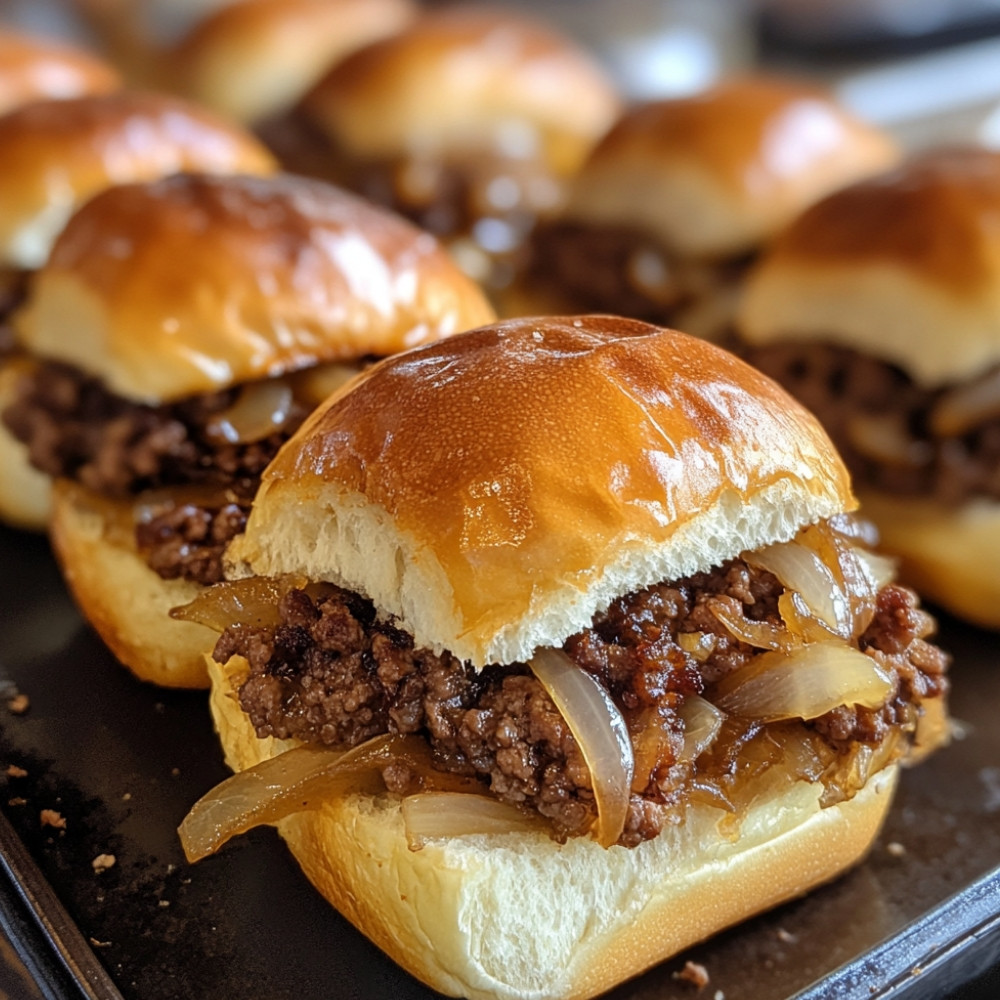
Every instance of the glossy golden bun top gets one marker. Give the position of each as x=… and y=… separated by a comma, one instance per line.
x=56, y=154
x=194, y=283
x=34, y=69
x=493, y=491
x=718, y=173
x=905, y=266
x=462, y=78
x=254, y=59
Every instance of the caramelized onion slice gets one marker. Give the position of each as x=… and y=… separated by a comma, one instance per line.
x=599, y=729
x=762, y=635
x=801, y=569
x=253, y=601
x=702, y=722
x=442, y=815
x=804, y=683
x=293, y=781
x=260, y=409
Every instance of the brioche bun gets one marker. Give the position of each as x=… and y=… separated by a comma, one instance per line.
x=518, y=915
x=227, y=280
x=59, y=153
x=904, y=266
x=466, y=78
x=254, y=59
x=38, y=69
x=717, y=174
x=950, y=554
x=126, y=603
x=627, y=455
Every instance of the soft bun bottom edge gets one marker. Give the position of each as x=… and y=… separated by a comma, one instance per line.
x=520, y=916
x=950, y=555
x=127, y=603
x=25, y=493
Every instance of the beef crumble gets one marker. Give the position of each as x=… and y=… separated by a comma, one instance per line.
x=332, y=673
x=75, y=428
x=883, y=423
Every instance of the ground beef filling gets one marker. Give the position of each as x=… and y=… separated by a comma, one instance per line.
x=13, y=292
x=76, y=429
x=332, y=673
x=618, y=270
x=890, y=431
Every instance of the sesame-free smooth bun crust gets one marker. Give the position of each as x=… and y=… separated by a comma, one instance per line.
x=59, y=153
x=717, y=173
x=905, y=266
x=495, y=490
x=517, y=916
x=195, y=283
x=257, y=57
x=34, y=68
x=461, y=77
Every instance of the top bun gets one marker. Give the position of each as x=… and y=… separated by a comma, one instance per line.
x=194, y=283
x=56, y=154
x=467, y=78
x=905, y=266
x=253, y=59
x=34, y=69
x=716, y=174
x=495, y=490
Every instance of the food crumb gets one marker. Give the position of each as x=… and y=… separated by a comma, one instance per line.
x=103, y=862
x=17, y=801
x=127, y=797
x=18, y=705
x=50, y=817
x=100, y=944
x=175, y=772
x=164, y=903
x=787, y=936
x=13, y=771
x=694, y=973
x=719, y=995
x=895, y=848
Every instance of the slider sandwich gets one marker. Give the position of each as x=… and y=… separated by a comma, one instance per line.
x=669, y=208
x=57, y=154
x=469, y=122
x=553, y=648
x=880, y=309
x=254, y=59
x=38, y=69
x=184, y=328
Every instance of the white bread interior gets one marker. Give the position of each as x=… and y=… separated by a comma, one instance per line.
x=123, y=599
x=490, y=537
x=519, y=916
x=948, y=554
x=25, y=493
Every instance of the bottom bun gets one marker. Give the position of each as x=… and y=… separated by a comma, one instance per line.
x=123, y=599
x=950, y=555
x=518, y=915
x=25, y=493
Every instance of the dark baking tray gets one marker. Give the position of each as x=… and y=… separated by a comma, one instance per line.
x=121, y=762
